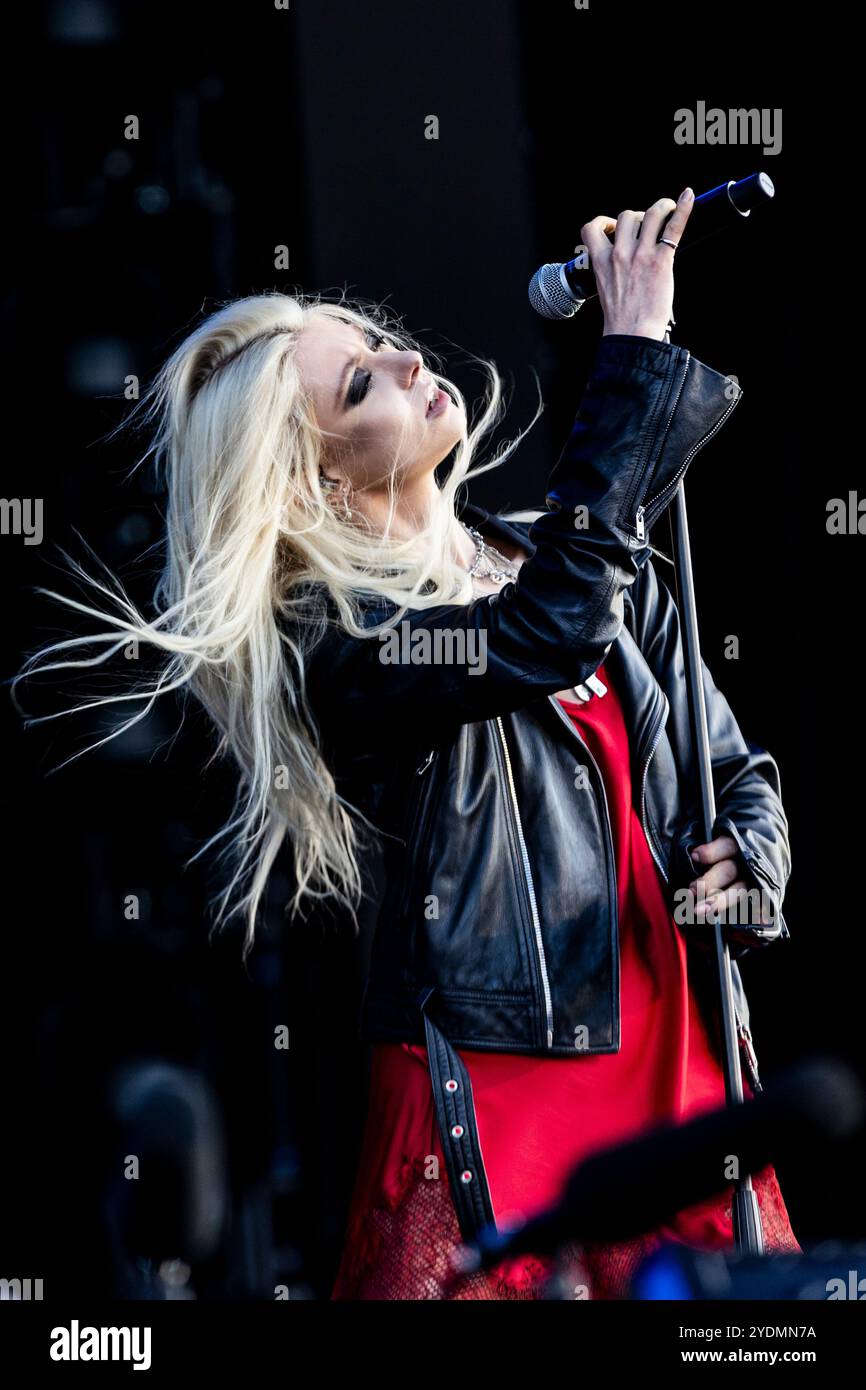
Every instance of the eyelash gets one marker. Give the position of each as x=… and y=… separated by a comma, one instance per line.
x=354, y=396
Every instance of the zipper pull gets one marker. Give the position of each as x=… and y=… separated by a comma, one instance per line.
x=424, y=766
x=639, y=524
x=746, y=1044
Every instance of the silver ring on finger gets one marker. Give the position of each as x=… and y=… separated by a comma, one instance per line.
x=665, y=241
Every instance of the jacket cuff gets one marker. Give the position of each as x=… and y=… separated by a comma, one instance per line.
x=685, y=407
x=646, y=354
x=758, y=876
x=761, y=872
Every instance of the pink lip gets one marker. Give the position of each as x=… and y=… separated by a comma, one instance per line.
x=441, y=402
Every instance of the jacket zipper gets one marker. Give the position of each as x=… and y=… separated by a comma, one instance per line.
x=749, y=1048
x=672, y=485
x=743, y=1032
x=662, y=408
x=648, y=759
x=610, y=854
x=416, y=824
x=530, y=886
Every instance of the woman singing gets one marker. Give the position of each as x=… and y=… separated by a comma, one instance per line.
x=499, y=708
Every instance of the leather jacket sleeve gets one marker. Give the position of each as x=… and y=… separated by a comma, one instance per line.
x=647, y=409
x=745, y=777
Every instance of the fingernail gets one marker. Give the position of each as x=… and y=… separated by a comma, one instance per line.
x=695, y=857
x=686, y=194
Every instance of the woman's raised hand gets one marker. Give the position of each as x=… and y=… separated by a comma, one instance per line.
x=634, y=272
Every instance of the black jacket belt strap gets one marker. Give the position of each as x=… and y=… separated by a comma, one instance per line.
x=458, y=1129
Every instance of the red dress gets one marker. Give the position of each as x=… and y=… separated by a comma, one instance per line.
x=539, y=1116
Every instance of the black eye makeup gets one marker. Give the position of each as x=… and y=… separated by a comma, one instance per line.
x=361, y=382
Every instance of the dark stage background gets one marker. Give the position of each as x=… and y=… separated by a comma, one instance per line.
x=261, y=127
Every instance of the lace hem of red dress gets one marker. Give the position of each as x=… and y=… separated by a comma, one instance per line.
x=403, y=1250
x=415, y=1221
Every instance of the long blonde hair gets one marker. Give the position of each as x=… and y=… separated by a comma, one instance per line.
x=248, y=528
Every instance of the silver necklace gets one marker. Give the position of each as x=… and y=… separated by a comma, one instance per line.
x=497, y=566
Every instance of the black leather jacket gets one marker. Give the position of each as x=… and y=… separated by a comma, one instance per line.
x=497, y=928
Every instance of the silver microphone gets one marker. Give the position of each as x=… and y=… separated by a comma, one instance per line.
x=559, y=289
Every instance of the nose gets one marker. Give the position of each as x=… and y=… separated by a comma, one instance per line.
x=410, y=364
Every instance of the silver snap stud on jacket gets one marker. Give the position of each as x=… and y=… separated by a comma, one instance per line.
x=451, y=1086
x=466, y=1176
x=457, y=1131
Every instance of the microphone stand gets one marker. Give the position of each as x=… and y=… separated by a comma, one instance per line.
x=745, y=1213
x=746, y=1216
x=557, y=292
